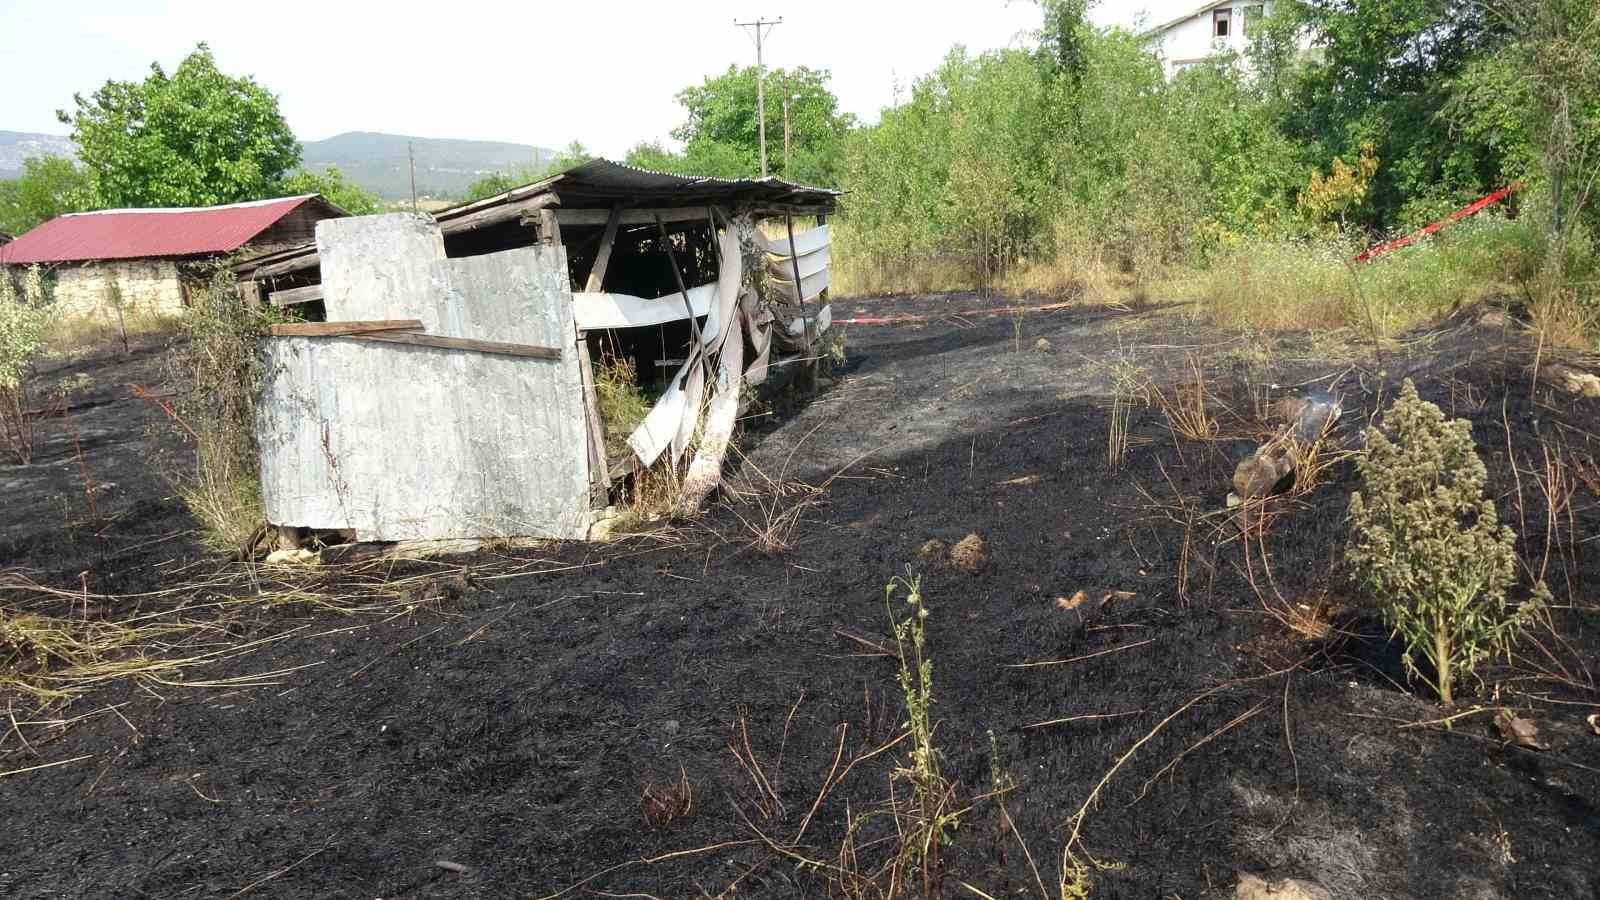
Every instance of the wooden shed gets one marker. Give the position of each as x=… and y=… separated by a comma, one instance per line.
x=472, y=337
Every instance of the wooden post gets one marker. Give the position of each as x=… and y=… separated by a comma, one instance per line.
x=823, y=298
x=549, y=228
x=250, y=293
x=602, y=257
x=549, y=232
x=808, y=366
x=677, y=276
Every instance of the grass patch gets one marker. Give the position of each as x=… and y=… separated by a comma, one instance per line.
x=1313, y=285
x=623, y=404
x=71, y=335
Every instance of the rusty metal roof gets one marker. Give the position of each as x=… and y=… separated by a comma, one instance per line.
x=601, y=182
x=596, y=184
x=142, y=233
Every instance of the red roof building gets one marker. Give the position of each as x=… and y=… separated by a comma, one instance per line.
x=145, y=259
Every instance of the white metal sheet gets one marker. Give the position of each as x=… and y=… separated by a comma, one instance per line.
x=596, y=311
x=807, y=242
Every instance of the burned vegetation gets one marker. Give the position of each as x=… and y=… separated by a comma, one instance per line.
x=1100, y=676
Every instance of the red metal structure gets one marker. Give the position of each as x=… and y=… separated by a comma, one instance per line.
x=1447, y=221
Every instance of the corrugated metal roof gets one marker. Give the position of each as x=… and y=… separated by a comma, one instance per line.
x=140, y=233
x=602, y=178
x=598, y=183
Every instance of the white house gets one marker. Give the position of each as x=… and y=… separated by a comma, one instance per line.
x=1218, y=27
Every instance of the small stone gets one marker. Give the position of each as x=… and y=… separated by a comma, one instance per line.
x=1043, y=345
x=971, y=554
x=1234, y=501
x=1252, y=887
x=670, y=726
x=1262, y=474
x=1584, y=384
x=300, y=557
x=1288, y=409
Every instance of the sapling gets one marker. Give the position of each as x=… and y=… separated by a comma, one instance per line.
x=24, y=317
x=1429, y=546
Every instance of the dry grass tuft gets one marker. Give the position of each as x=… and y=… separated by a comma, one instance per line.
x=1187, y=406
x=669, y=803
x=623, y=404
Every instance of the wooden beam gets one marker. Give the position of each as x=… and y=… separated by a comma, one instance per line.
x=602, y=257
x=515, y=211
x=549, y=227
x=450, y=343
x=595, y=217
x=290, y=297
x=599, y=470
x=307, y=258
x=343, y=329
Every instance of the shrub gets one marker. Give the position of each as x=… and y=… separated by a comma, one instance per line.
x=217, y=372
x=1429, y=545
x=24, y=318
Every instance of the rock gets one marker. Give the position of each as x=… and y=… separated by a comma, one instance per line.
x=1252, y=887
x=604, y=530
x=670, y=726
x=1594, y=722
x=1287, y=409
x=1516, y=730
x=1073, y=602
x=1262, y=474
x=1573, y=381
x=296, y=557
x=1234, y=501
x=933, y=553
x=971, y=554
x=1043, y=346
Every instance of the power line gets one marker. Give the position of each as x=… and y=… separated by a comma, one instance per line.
x=761, y=94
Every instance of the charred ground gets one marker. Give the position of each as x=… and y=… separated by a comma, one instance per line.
x=512, y=727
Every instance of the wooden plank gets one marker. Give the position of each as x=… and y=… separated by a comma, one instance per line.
x=599, y=474
x=602, y=257
x=596, y=217
x=450, y=343
x=290, y=297
x=249, y=294
x=305, y=259
x=339, y=329
x=517, y=210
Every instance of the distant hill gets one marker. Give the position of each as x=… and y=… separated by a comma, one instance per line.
x=445, y=167
x=375, y=161
x=16, y=146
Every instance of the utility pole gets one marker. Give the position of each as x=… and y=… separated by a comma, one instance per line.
x=411, y=157
x=787, y=97
x=761, y=95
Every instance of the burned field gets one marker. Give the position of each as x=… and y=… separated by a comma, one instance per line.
x=711, y=708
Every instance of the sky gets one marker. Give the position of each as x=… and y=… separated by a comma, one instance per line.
x=603, y=72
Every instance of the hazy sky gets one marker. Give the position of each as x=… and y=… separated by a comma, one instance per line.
x=602, y=71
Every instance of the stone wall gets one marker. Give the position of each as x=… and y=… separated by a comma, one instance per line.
x=147, y=286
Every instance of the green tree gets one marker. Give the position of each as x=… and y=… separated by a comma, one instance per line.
x=1383, y=73
x=198, y=137
x=498, y=183
x=331, y=184
x=571, y=156
x=574, y=154
x=720, y=134
x=47, y=188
